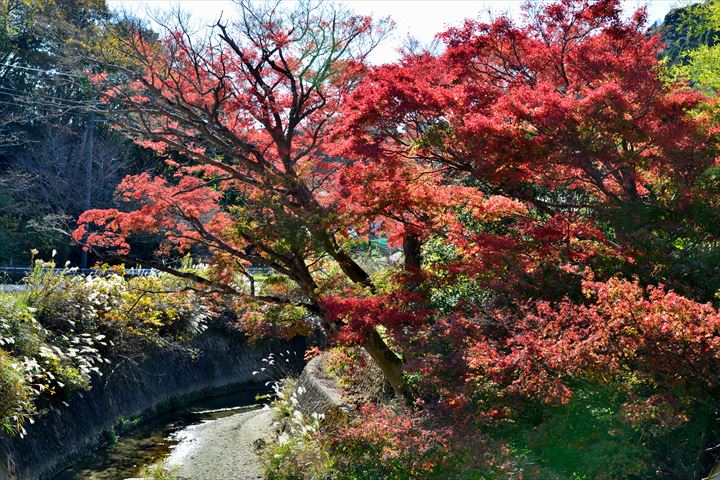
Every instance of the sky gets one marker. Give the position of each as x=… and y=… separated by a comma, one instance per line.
x=421, y=19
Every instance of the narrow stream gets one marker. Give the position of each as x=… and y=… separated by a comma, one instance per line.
x=155, y=439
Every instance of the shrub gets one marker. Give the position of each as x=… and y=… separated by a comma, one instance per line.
x=297, y=454
x=387, y=442
x=15, y=396
x=381, y=442
x=65, y=328
x=297, y=457
x=159, y=471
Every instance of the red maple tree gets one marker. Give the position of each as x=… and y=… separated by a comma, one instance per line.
x=243, y=118
x=564, y=119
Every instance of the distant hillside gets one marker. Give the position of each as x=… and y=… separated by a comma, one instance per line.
x=683, y=29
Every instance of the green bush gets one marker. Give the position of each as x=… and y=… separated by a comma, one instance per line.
x=297, y=453
x=65, y=328
x=158, y=471
x=15, y=396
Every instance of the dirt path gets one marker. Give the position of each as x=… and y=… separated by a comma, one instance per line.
x=223, y=449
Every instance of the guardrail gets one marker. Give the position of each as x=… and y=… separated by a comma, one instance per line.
x=4, y=287
x=131, y=272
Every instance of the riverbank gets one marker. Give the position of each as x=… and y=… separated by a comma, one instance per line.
x=230, y=447
x=223, y=448
x=160, y=382
x=147, y=447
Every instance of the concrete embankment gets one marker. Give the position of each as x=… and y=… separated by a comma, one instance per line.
x=141, y=387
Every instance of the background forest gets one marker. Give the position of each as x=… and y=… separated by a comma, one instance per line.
x=56, y=158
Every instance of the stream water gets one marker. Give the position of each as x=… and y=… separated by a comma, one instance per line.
x=154, y=440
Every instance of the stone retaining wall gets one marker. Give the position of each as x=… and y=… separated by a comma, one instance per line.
x=318, y=393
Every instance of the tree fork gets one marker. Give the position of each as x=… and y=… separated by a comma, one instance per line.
x=383, y=356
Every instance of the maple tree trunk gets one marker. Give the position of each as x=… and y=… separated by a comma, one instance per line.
x=383, y=356
x=353, y=271
x=387, y=360
x=412, y=250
